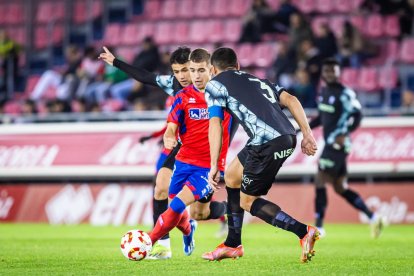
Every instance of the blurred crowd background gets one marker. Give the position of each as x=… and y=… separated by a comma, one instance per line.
x=49, y=49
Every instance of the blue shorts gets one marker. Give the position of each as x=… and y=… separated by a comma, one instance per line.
x=195, y=178
x=161, y=160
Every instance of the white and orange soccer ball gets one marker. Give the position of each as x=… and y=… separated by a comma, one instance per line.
x=136, y=245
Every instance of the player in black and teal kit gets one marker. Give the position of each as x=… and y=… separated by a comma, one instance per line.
x=339, y=115
x=257, y=105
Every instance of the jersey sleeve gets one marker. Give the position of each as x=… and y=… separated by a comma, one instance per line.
x=176, y=114
x=216, y=96
x=166, y=83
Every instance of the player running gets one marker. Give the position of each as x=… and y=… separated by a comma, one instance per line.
x=189, y=183
x=171, y=84
x=256, y=104
x=339, y=114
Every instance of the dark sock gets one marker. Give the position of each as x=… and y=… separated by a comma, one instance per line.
x=272, y=214
x=321, y=201
x=355, y=200
x=217, y=209
x=235, y=216
x=159, y=207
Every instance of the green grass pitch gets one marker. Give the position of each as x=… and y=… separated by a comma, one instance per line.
x=31, y=249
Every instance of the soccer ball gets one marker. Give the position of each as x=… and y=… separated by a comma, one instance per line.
x=135, y=245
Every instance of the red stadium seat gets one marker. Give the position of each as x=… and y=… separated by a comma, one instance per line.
x=169, y=9
x=238, y=7
x=216, y=31
x=407, y=50
x=185, y=9
x=245, y=55
x=336, y=23
x=232, y=30
x=202, y=9
x=83, y=10
x=14, y=14
x=30, y=84
x=388, y=77
x=317, y=21
x=358, y=22
x=164, y=32
x=130, y=35
x=3, y=12
x=368, y=79
x=392, y=49
x=374, y=26
x=274, y=4
x=392, y=26
x=220, y=8
x=343, y=6
x=112, y=34
x=44, y=38
x=18, y=34
x=349, y=77
x=145, y=29
x=12, y=107
x=181, y=32
x=126, y=53
x=264, y=54
x=324, y=6
x=112, y=105
x=47, y=11
x=152, y=9
x=198, y=32
x=306, y=6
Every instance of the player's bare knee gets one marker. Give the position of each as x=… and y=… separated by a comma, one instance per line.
x=232, y=181
x=160, y=193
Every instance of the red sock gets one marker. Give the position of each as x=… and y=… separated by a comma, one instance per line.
x=184, y=223
x=165, y=223
x=222, y=219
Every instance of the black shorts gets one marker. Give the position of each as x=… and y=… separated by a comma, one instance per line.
x=170, y=160
x=242, y=156
x=263, y=163
x=333, y=161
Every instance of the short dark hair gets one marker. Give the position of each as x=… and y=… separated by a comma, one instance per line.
x=224, y=58
x=200, y=55
x=180, y=55
x=330, y=62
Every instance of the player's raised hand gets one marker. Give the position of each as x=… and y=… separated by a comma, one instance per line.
x=308, y=145
x=107, y=56
x=214, y=178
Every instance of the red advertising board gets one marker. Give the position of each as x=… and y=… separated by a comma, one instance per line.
x=117, y=203
x=386, y=149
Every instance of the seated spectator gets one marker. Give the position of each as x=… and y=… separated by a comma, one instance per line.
x=310, y=60
x=9, y=60
x=325, y=41
x=64, y=80
x=258, y=20
x=284, y=67
x=282, y=17
x=303, y=89
x=299, y=31
x=353, y=48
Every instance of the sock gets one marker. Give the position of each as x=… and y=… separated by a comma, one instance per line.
x=217, y=209
x=184, y=223
x=272, y=214
x=355, y=200
x=235, y=216
x=166, y=222
x=321, y=201
x=223, y=218
x=159, y=207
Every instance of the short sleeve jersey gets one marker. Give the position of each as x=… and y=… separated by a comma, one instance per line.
x=253, y=102
x=189, y=111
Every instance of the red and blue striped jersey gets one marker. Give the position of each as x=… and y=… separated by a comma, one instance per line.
x=189, y=111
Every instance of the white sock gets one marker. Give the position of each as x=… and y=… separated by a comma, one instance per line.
x=165, y=242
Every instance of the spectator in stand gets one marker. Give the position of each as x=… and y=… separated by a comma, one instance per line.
x=303, y=89
x=406, y=14
x=310, y=60
x=64, y=80
x=258, y=20
x=9, y=60
x=29, y=107
x=91, y=70
x=284, y=66
x=149, y=59
x=299, y=31
x=96, y=91
x=408, y=93
x=325, y=41
x=353, y=48
x=282, y=18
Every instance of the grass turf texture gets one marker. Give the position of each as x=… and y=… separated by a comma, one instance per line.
x=83, y=249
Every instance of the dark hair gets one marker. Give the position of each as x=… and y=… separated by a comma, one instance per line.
x=180, y=55
x=224, y=58
x=200, y=55
x=330, y=62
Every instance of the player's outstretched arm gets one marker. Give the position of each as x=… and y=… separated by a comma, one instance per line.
x=215, y=138
x=170, y=139
x=308, y=145
x=136, y=73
